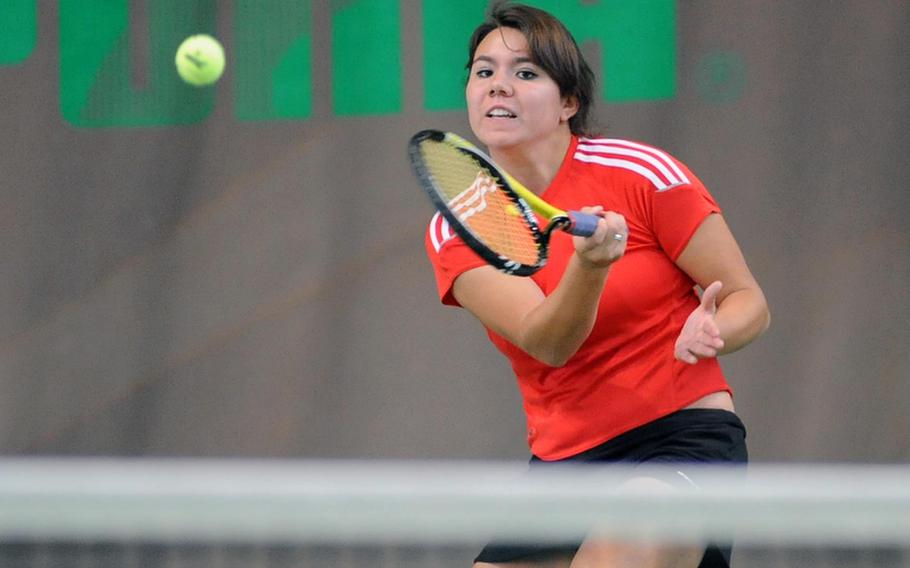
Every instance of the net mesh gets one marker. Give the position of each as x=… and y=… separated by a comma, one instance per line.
x=182, y=514
x=478, y=202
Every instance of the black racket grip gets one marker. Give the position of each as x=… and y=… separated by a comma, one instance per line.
x=583, y=224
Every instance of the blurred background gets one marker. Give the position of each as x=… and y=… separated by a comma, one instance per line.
x=239, y=270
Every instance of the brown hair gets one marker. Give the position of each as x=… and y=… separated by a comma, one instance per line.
x=552, y=48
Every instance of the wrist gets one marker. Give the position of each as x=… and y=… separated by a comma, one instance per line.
x=592, y=266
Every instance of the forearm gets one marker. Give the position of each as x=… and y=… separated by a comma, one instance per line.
x=554, y=330
x=742, y=317
x=549, y=328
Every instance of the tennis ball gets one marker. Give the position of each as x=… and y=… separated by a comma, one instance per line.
x=200, y=60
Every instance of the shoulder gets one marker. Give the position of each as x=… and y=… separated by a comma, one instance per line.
x=621, y=157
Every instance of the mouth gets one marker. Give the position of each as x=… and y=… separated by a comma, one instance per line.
x=500, y=112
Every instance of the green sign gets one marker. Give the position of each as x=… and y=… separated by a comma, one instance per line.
x=636, y=41
x=115, y=73
x=19, y=25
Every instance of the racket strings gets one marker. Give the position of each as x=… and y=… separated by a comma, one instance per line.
x=480, y=204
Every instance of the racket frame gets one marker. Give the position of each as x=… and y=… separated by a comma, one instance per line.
x=527, y=202
x=505, y=183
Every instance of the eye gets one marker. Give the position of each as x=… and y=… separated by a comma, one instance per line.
x=526, y=74
x=483, y=73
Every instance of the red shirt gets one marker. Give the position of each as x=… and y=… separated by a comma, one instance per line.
x=625, y=374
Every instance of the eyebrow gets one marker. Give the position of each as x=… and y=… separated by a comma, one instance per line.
x=516, y=61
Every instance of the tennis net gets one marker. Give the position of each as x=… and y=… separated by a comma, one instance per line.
x=265, y=513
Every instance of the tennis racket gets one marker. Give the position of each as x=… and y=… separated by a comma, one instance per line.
x=489, y=209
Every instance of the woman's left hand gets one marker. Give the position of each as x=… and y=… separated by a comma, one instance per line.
x=700, y=336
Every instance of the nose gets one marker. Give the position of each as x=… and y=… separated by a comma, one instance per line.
x=499, y=86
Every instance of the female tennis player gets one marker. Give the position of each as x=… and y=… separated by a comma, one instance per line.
x=614, y=350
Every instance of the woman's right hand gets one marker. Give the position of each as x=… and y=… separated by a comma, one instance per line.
x=607, y=244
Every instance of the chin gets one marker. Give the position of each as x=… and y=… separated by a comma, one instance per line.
x=494, y=134
x=499, y=139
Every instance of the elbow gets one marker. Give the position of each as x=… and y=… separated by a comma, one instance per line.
x=550, y=353
x=764, y=317
x=766, y=323
x=556, y=363
x=553, y=348
x=555, y=358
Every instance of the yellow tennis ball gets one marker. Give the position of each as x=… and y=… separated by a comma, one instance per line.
x=200, y=60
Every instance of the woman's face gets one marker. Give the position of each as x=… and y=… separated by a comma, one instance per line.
x=512, y=101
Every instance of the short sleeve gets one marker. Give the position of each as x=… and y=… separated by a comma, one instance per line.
x=450, y=257
x=678, y=210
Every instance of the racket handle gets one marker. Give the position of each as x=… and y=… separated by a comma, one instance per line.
x=583, y=224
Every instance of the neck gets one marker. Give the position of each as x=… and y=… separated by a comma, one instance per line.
x=534, y=165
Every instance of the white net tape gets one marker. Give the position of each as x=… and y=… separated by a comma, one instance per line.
x=238, y=501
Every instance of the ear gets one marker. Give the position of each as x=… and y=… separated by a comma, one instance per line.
x=569, y=108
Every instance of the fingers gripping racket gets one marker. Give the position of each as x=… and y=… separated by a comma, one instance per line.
x=490, y=210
